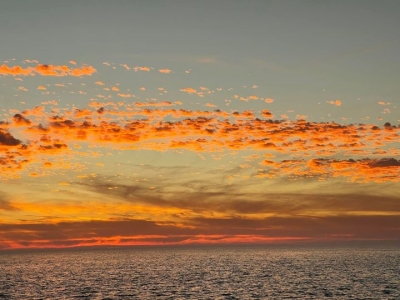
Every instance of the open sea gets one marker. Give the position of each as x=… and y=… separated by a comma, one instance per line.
x=257, y=272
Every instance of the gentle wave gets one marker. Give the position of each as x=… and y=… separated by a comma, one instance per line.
x=201, y=273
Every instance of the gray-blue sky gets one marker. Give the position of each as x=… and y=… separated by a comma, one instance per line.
x=302, y=52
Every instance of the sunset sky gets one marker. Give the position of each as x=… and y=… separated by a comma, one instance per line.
x=184, y=122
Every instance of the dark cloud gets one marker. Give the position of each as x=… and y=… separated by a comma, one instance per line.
x=328, y=228
x=208, y=196
x=7, y=139
x=385, y=162
x=21, y=120
x=87, y=230
x=356, y=227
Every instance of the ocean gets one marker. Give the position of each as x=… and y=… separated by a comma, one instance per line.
x=257, y=272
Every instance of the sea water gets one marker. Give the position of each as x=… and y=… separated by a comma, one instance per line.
x=262, y=272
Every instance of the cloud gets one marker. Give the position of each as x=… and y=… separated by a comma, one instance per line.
x=125, y=95
x=7, y=139
x=29, y=234
x=12, y=162
x=327, y=227
x=121, y=233
x=15, y=70
x=17, y=156
x=188, y=90
x=205, y=211
x=165, y=71
x=204, y=131
x=24, y=89
x=126, y=67
x=20, y=120
x=147, y=69
x=50, y=102
x=154, y=104
x=189, y=197
x=46, y=70
x=220, y=175
x=202, y=231
x=335, y=103
x=266, y=114
x=361, y=170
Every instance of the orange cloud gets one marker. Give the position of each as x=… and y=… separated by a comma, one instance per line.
x=46, y=70
x=126, y=67
x=147, y=69
x=125, y=95
x=106, y=124
x=268, y=100
x=336, y=102
x=51, y=102
x=165, y=71
x=15, y=70
x=156, y=104
x=188, y=90
x=267, y=114
x=210, y=105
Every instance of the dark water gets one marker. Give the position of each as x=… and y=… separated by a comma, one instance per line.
x=202, y=273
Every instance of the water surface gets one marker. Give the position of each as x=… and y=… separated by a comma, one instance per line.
x=201, y=273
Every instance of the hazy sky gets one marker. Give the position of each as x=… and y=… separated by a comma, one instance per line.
x=175, y=122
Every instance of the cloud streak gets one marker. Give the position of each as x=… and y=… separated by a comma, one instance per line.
x=207, y=231
x=46, y=70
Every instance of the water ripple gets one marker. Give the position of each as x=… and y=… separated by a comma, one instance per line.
x=201, y=273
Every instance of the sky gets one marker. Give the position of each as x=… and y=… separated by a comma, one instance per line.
x=198, y=122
